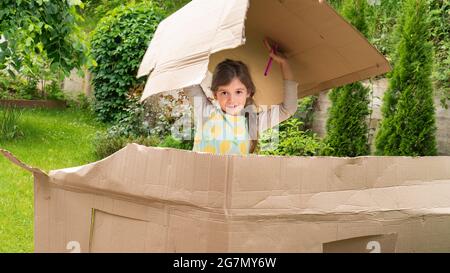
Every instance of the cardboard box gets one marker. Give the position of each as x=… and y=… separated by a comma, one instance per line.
x=323, y=49
x=143, y=199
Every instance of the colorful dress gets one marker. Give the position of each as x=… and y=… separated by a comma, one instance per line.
x=223, y=134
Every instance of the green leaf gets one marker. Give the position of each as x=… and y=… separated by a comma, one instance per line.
x=28, y=41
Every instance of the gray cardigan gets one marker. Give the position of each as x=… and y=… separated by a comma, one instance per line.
x=258, y=121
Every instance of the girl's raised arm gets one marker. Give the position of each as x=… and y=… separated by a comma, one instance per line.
x=268, y=117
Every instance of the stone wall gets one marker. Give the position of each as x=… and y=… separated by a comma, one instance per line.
x=74, y=84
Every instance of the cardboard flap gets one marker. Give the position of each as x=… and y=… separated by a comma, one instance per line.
x=323, y=49
x=19, y=163
x=178, y=54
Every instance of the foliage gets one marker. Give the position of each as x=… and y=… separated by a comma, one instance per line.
x=171, y=5
x=305, y=111
x=382, y=16
x=27, y=88
x=171, y=142
x=408, y=125
x=440, y=29
x=292, y=141
x=148, y=123
x=81, y=102
x=118, y=45
x=17, y=88
x=347, y=128
x=41, y=29
x=355, y=11
x=9, y=123
x=107, y=144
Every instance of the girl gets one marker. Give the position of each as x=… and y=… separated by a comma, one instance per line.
x=232, y=124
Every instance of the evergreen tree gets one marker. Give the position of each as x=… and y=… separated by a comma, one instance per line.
x=408, y=126
x=347, y=128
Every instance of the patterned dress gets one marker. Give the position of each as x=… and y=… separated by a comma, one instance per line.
x=223, y=134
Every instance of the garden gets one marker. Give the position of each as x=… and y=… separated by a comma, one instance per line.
x=43, y=41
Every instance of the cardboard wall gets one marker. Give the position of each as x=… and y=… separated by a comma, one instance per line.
x=148, y=199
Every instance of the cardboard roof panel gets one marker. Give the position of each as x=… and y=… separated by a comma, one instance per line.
x=324, y=50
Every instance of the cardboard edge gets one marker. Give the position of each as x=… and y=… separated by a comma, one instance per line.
x=22, y=165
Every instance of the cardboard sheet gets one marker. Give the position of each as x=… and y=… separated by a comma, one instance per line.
x=143, y=199
x=323, y=49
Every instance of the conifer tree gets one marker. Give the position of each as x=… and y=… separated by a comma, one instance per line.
x=408, y=126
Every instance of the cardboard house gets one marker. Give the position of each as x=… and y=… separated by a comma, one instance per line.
x=143, y=199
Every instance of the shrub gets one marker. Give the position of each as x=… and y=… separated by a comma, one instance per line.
x=81, y=101
x=408, y=126
x=118, y=46
x=171, y=142
x=136, y=127
x=106, y=144
x=292, y=141
x=9, y=123
x=54, y=91
x=347, y=128
x=20, y=87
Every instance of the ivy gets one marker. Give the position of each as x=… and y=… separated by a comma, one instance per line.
x=118, y=46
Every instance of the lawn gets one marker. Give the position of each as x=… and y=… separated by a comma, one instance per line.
x=52, y=139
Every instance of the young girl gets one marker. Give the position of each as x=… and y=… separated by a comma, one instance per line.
x=232, y=124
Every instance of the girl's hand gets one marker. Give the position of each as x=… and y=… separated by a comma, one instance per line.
x=277, y=56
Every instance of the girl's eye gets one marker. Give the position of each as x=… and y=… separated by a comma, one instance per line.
x=223, y=93
x=239, y=92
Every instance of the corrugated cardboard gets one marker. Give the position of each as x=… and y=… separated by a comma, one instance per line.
x=144, y=199
x=323, y=49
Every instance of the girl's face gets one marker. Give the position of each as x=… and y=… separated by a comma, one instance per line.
x=232, y=97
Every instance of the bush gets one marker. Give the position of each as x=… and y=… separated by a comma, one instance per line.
x=54, y=91
x=171, y=142
x=347, y=128
x=19, y=87
x=408, y=126
x=9, y=123
x=136, y=127
x=106, y=144
x=118, y=46
x=292, y=141
x=81, y=101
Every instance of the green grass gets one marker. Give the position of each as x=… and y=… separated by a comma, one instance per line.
x=52, y=139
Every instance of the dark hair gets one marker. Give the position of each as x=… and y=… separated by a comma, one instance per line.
x=227, y=70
